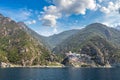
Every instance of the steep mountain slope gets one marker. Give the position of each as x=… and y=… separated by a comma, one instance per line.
x=19, y=47
x=100, y=50
x=56, y=39
x=51, y=41
x=40, y=38
x=100, y=43
x=96, y=51
x=73, y=43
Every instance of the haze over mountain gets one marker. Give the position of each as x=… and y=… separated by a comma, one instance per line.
x=118, y=27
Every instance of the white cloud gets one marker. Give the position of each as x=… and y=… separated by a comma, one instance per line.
x=119, y=10
x=112, y=19
x=75, y=6
x=65, y=8
x=49, y=20
x=30, y=22
x=50, y=15
x=105, y=10
x=111, y=10
x=111, y=7
x=100, y=1
x=77, y=27
x=17, y=15
x=55, y=30
x=47, y=31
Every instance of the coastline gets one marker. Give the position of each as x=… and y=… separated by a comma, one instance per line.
x=37, y=66
x=8, y=65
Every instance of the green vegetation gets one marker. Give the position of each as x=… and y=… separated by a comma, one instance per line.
x=19, y=47
x=75, y=42
x=98, y=41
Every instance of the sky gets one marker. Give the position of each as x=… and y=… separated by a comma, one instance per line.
x=48, y=17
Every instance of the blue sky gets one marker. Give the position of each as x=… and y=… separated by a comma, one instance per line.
x=48, y=17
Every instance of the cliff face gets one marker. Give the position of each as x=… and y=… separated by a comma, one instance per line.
x=94, y=52
x=100, y=51
x=19, y=47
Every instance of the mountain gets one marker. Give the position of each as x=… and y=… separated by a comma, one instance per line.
x=56, y=39
x=73, y=43
x=99, y=42
x=95, y=51
x=94, y=45
x=40, y=38
x=100, y=50
x=17, y=46
x=51, y=41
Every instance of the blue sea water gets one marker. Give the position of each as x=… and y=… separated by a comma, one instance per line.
x=59, y=74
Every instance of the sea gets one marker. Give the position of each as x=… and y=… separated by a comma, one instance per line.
x=68, y=73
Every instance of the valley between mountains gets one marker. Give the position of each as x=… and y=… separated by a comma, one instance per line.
x=96, y=45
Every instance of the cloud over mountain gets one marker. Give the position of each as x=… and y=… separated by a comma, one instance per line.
x=50, y=15
x=21, y=14
x=111, y=10
x=111, y=7
x=30, y=22
x=62, y=8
